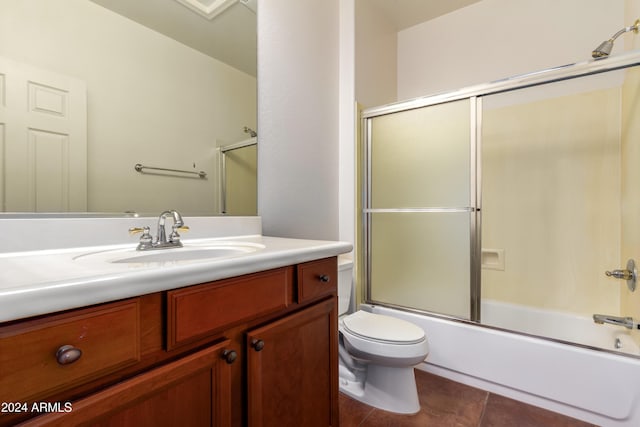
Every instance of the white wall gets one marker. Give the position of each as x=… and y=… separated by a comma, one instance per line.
x=347, y=123
x=493, y=39
x=145, y=100
x=375, y=56
x=298, y=60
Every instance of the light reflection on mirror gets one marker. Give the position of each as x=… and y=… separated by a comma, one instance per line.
x=150, y=99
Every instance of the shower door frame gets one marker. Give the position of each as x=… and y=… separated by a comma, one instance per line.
x=472, y=208
x=475, y=95
x=222, y=167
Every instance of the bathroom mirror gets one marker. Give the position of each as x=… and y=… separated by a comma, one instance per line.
x=164, y=88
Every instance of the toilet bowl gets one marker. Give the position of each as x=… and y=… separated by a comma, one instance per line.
x=377, y=354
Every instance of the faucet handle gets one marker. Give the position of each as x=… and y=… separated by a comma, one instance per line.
x=137, y=230
x=146, y=241
x=175, y=236
x=630, y=274
x=620, y=274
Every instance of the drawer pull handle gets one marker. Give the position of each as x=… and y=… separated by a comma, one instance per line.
x=229, y=356
x=67, y=354
x=324, y=278
x=257, y=345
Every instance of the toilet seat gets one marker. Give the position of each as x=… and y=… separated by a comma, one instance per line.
x=382, y=329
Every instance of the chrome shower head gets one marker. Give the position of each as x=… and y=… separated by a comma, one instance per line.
x=604, y=49
x=250, y=131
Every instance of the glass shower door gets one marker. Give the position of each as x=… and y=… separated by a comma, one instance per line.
x=419, y=209
x=557, y=159
x=239, y=179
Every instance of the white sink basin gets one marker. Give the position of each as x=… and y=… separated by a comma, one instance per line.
x=188, y=253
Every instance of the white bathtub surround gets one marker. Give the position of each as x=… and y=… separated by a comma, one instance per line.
x=558, y=325
x=594, y=386
x=59, y=264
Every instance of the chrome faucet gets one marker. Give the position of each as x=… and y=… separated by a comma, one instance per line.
x=174, y=237
x=147, y=242
x=627, y=322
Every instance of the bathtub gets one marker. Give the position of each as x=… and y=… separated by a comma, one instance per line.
x=599, y=387
x=558, y=325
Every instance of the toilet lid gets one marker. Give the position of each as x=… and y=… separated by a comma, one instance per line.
x=383, y=328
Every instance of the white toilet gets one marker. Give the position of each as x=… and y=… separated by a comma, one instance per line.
x=377, y=353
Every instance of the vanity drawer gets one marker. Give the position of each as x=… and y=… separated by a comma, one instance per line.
x=108, y=337
x=317, y=279
x=197, y=311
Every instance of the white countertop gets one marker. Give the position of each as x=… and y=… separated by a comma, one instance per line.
x=45, y=281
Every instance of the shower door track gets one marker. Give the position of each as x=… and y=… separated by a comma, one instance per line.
x=563, y=72
x=435, y=210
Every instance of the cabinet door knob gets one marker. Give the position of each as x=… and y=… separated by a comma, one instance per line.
x=229, y=356
x=257, y=345
x=324, y=278
x=68, y=354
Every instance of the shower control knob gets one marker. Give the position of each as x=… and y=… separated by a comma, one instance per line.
x=620, y=274
x=324, y=278
x=229, y=356
x=630, y=274
x=257, y=345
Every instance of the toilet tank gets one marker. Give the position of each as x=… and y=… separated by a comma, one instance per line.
x=345, y=283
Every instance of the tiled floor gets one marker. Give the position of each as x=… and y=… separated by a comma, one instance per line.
x=446, y=403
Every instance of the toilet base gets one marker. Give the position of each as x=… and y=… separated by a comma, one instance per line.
x=388, y=388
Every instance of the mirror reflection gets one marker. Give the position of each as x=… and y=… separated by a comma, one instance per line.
x=90, y=89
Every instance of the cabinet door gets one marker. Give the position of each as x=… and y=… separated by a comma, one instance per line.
x=192, y=391
x=293, y=370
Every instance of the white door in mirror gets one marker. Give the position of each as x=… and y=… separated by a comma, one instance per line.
x=44, y=118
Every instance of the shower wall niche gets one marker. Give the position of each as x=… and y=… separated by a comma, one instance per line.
x=505, y=203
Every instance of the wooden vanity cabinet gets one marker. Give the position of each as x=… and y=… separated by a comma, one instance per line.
x=292, y=363
x=292, y=370
x=256, y=350
x=37, y=356
x=191, y=391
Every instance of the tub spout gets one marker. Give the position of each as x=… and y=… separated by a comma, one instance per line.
x=627, y=322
